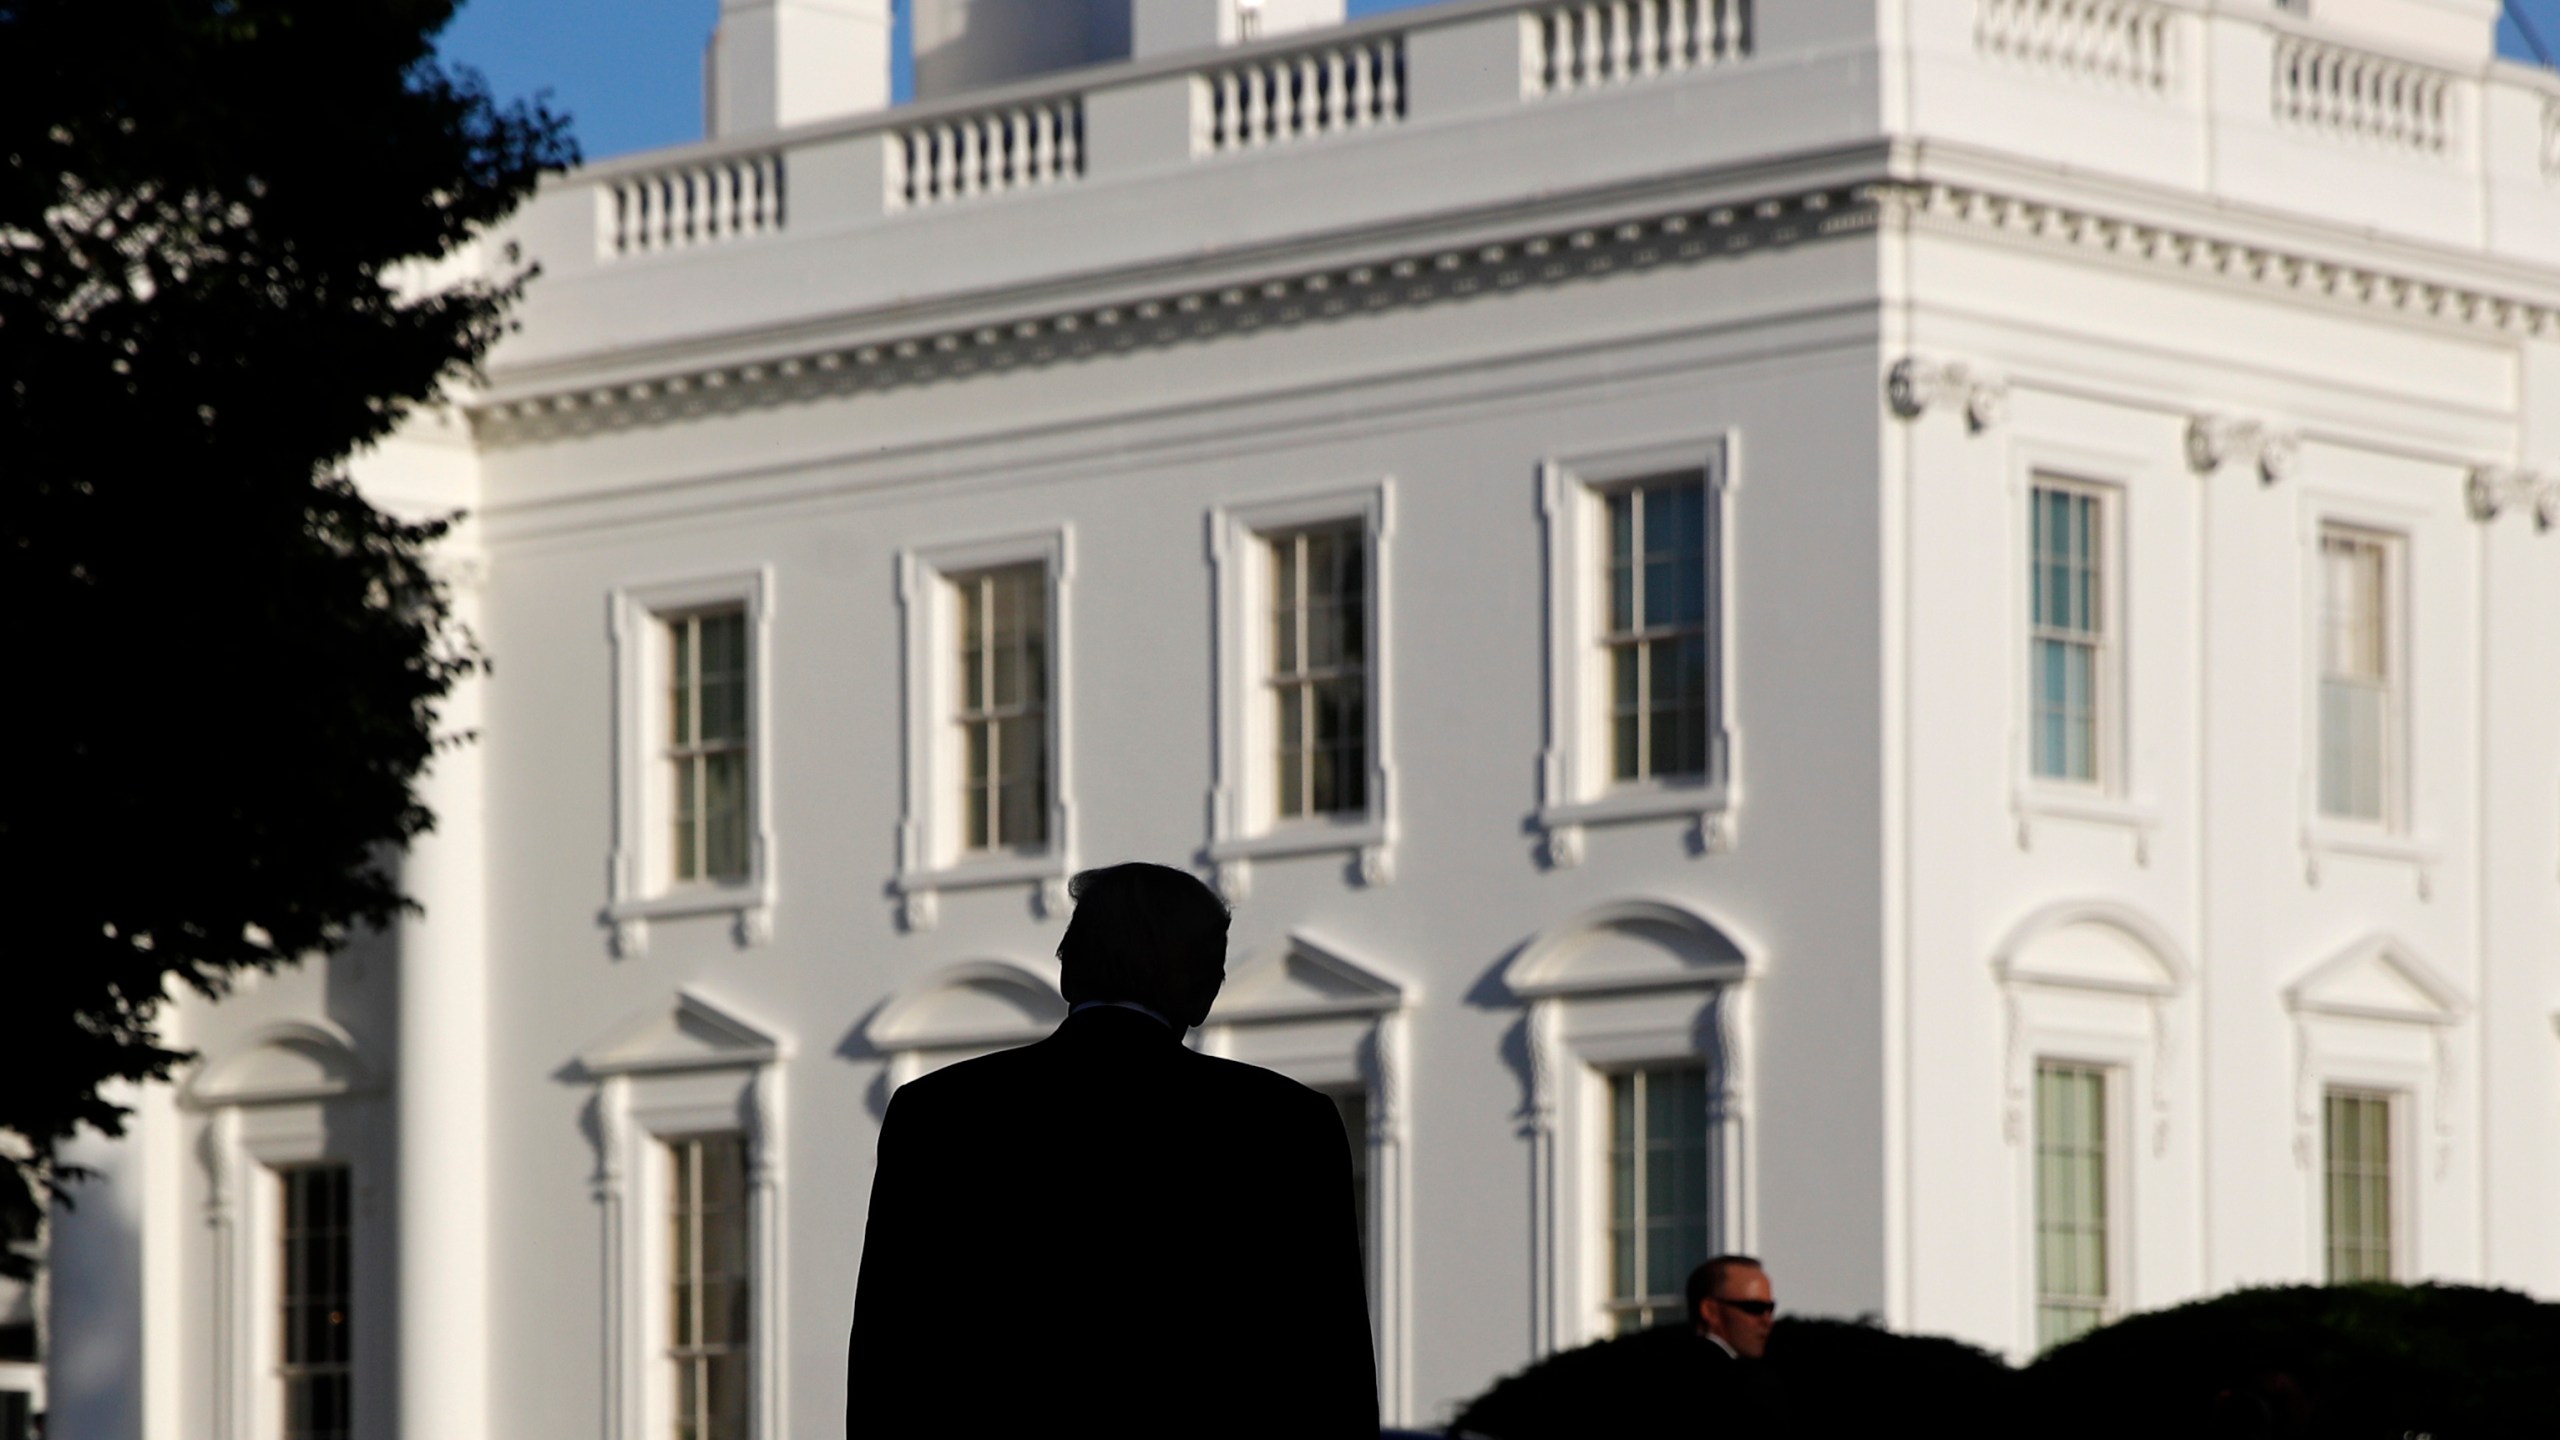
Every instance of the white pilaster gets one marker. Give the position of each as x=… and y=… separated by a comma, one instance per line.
x=441, y=1095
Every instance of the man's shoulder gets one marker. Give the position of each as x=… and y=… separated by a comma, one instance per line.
x=1254, y=1084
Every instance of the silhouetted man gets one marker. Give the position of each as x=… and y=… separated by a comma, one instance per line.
x=1106, y=1232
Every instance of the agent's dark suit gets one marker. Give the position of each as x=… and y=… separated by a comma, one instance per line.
x=1106, y=1231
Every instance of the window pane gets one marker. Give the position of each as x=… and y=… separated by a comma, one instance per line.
x=725, y=814
x=313, y=1314
x=2357, y=1180
x=1658, y=1179
x=1622, y=561
x=2071, y=1205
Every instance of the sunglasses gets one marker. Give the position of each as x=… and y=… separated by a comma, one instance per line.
x=1754, y=1308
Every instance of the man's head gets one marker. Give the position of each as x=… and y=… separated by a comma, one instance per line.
x=1730, y=1298
x=1145, y=933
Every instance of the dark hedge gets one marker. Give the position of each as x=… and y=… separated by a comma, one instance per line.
x=1822, y=1378
x=2304, y=1362
x=2355, y=1362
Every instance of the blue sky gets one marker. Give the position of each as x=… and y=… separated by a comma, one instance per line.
x=629, y=72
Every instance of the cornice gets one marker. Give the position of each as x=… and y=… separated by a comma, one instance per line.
x=1176, y=313
x=2209, y=244
x=1960, y=189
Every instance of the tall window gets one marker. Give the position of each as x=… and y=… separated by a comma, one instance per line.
x=2357, y=679
x=2067, y=630
x=1658, y=1211
x=2073, y=1292
x=2356, y=1185
x=1320, y=670
x=1656, y=635
x=707, y=754
x=707, y=1334
x=313, y=1355
x=1003, y=709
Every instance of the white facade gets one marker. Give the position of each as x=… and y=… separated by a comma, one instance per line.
x=2253, y=284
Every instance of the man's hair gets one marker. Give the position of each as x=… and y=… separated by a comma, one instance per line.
x=1145, y=933
x=1708, y=1278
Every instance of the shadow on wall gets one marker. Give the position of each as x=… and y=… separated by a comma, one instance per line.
x=94, y=1261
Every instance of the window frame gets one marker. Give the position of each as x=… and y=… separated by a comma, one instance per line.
x=2108, y=701
x=2375, y=1017
x=1577, y=788
x=642, y=887
x=674, y=1071
x=1627, y=984
x=2115, y=1191
x=2395, y=1102
x=2392, y=543
x=1244, y=826
x=288, y=1095
x=2102, y=984
x=932, y=854
x=1612, y=1305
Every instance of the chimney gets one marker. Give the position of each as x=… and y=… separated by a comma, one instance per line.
x=774, y=63
x=1166, y=27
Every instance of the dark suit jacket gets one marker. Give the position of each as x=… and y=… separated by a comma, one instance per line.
x=1108, y=1230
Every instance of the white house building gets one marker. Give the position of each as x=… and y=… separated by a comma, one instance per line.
x=1914, y=636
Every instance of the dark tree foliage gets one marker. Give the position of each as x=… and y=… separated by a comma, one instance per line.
x=1821, y=1379
x=223, y=664
x=2303, y=1362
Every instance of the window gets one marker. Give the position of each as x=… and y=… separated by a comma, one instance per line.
x=2356, y=1184
x=1002, y=707
x=1655, y=635
x=707, y=750
x=987, y=798
x=2071, y=1179
x=708, y=1302
x=1637, y=640
x=1658, y=1203
x=1319, y=657
x=1302, y=764
x=689, y=1150
x=691, y=762
x=313, y=1352
x=2068, y=659
x=2359, y=679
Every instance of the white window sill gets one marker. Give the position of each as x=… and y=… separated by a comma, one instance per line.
x=2039, y=801
x=1708, y=806
x=748, y=902
x=1046, y=871
x=1363, y=837
x=2326, y=836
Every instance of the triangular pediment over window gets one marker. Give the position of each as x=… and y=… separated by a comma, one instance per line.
x=1304, y=979
x=1626, y=946
x=2378, y=978
x=692, y=1034
x=974, y=1004
x=2087, y=946
x=297, y=1060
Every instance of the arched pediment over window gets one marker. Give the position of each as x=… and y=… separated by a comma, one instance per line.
x=293, y=1060
x=976, y=1004
x=2380, y=977
x=2092, y=945
x=1627, y=945
x=1304, y=979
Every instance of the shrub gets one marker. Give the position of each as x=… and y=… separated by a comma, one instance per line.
x=2351, y=1362
x=1822, y=1378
